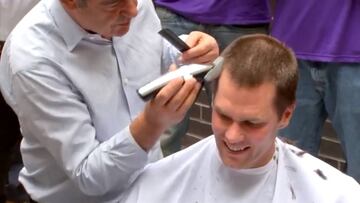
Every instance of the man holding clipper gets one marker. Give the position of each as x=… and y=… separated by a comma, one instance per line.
x=87, y=134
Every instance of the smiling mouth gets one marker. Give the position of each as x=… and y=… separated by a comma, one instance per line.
x=123, y=24
x=236, y=147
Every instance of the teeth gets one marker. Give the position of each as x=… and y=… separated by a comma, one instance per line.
x=234, y=147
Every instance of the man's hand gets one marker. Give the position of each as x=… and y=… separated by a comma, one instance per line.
x=203, y=49
x=167, y=108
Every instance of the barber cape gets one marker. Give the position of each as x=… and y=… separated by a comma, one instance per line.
x=197, y=175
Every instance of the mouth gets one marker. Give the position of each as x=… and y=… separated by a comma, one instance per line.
x=236, y=148
x=122, y=24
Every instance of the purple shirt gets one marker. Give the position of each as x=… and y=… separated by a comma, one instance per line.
x=229, y=12
x=320, y=30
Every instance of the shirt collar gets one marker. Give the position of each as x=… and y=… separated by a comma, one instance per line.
x=71, y=32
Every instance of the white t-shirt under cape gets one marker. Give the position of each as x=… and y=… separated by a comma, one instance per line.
x=197, y=175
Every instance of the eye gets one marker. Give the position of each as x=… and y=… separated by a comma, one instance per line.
x=253, y=124
x=223, y=117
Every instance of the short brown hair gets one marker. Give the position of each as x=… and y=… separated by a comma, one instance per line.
x=255, y=59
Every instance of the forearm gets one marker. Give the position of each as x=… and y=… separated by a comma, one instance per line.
x=111, y=165
x=145, y=132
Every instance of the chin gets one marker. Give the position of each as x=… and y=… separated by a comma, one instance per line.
x=120, y=31
x=233, y=165
x=117, y=33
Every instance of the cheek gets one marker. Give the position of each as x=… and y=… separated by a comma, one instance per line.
x=107, y=18
x=111, y=20
x=100, y=22
x=257, y=135
x=263, y=136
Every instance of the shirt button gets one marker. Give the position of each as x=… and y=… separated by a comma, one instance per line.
x=126, y=81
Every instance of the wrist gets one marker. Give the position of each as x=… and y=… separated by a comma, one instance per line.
x=145, y=132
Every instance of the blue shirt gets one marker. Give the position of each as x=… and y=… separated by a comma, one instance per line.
x=75, y=95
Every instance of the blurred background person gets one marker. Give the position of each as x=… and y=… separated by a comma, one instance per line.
x=325, y=37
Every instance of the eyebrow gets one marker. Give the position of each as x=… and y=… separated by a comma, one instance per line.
x=255, y=121
x=219, y=110
x=252, y=120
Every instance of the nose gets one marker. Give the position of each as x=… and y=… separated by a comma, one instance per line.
x=234, y=133
x=130, y=8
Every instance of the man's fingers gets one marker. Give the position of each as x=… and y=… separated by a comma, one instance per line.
x=168, y=91
x=181, y=95
x=206, y=58
x=203, y=49
x=190, y=99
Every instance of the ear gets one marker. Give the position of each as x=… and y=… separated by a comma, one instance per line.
x=69, y=4
x=286, y=116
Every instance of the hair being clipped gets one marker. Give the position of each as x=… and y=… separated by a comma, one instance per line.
x=255, y=59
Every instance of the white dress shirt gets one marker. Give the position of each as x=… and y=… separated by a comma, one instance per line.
x=75, y=95
x=197, y=174
x=11, y=12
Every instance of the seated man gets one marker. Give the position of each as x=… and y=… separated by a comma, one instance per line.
x=243, y=161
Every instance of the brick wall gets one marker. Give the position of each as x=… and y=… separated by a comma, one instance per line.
x=200, y=127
